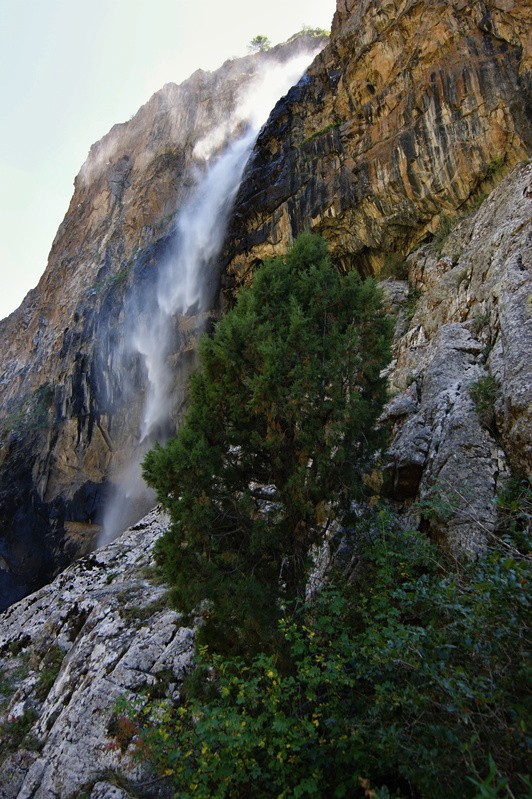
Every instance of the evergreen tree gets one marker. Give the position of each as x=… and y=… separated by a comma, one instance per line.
x=281, y=426
x=260, y=44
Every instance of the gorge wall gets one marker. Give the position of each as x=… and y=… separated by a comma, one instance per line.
x=402, y=126
x=403, y=118
x=72, y=391
x=405, y=146
x=411, y=113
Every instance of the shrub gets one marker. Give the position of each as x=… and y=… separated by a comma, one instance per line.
x=259, y=44
x=483, y=392
x=409, y=682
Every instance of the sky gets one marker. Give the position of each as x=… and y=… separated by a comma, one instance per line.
x=71, y=69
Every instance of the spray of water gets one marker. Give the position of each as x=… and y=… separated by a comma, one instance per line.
x=184, y=281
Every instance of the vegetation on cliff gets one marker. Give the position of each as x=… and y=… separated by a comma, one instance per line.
x=409, y=680
x=406, y=673
x=281, y=426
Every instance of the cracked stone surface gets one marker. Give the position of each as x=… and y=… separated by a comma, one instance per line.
x=112, y=634
x=472, y=320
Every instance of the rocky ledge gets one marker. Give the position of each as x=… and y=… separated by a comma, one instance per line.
x=102, y=630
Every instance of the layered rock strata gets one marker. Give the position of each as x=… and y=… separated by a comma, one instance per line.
x=67, y=425
x=413, y=110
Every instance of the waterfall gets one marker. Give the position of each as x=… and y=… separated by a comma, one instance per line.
x=184, y=281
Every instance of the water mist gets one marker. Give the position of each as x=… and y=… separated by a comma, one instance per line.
x=185, y=281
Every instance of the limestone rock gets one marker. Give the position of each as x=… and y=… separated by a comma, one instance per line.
x=472, y=320
x=101, y=630
x=411, y=112
x=67, y=425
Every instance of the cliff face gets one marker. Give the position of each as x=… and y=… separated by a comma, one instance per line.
x=408, y=114
x=411, y=114
x=66, y=423
x=102, y=629
x=404, y=124
x=461, y=413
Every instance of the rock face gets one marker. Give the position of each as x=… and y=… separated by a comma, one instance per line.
x=100, y=631
x=404, y=123
x=462, y=414
x=412, y=111
x=66, y=423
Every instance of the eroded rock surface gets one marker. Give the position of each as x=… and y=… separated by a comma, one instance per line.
x=71, y=392
x=101, y=630
x=411, y=112
x=471, y=326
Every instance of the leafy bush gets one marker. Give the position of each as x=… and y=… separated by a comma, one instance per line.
x=281, y=425
x=483, y=392
x=411, y=681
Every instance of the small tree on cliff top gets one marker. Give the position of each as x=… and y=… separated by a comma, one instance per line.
x=281, y=425
x=259, y=44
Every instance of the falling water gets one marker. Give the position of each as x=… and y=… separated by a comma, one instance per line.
x=184, y=285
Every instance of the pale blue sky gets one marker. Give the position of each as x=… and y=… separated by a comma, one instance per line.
x=70, y=69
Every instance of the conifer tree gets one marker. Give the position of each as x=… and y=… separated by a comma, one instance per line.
x=280, y=430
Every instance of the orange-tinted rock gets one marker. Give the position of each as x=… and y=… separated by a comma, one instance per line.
x=411, y=112
x=64, y=421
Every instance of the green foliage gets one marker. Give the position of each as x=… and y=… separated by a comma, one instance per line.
x=32, y=414
x=7, y=689
x=408, y=682
x=51, y=665
x=321, y=132
x=309, y=31
x=495, y=167
x=135, y=613
x=18, y=645
x=281, y=425
x=15, y=734
x=259, y=44
x=483, y=392
x=439, y=504
x=514, y=503
x=118, y=279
